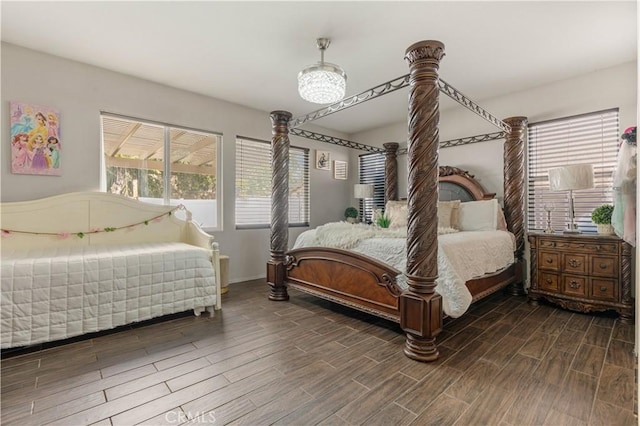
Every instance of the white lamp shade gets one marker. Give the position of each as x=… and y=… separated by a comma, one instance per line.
x=363, y=190
x=575, y=176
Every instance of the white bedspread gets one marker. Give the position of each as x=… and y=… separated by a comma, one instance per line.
x=461, y=257
x=56, y=293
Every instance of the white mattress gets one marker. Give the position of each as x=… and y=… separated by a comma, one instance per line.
x=461, y=257
x=56, y=293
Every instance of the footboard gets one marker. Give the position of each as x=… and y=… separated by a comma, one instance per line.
x=345, y=277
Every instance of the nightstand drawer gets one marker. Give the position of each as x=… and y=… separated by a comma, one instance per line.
x=604, y=289
x=574, y=263
x=574, y=285
x=549, y=282
x=604, y=266
x=604, y=248
x=549, y=260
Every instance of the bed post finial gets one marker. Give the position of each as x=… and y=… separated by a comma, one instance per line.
x=420, y=305
x=390, y=171
x=514, y=177
x=279, y=204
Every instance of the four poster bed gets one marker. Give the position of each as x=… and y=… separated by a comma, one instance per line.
x=361, y=282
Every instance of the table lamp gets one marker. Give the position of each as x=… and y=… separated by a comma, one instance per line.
x=362, y=191
x=571, y=178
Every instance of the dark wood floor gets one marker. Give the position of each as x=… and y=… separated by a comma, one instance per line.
x=307, y=362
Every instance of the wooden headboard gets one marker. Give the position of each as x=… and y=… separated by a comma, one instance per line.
x=458, y=184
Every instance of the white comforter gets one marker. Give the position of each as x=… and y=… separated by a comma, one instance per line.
x=56, y=293
x=461, y=256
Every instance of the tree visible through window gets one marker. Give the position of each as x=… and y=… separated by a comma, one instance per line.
x=135, y=165
x=584, y=139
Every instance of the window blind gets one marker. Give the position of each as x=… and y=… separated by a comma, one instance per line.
x=584, y=139
x=371, y=168
x=253, y=185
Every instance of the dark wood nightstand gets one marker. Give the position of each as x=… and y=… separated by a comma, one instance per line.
x=583, y=272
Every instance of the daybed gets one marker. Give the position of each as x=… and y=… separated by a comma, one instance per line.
x=361, y=282
x=84, y=262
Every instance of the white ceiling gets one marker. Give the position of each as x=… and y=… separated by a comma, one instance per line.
x=250, y=52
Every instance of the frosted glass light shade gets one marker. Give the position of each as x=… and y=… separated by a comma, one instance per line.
x=575, y=176
x=323, y=83
x=363, y=190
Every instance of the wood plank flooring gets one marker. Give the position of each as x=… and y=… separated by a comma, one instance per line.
x=307, y=362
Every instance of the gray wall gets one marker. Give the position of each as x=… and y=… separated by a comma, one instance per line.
x=80, y=92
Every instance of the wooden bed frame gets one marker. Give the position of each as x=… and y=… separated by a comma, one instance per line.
x=369, y=285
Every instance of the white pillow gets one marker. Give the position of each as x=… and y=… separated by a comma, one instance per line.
x=448, y=214
x=479, y=215
x=397, y=212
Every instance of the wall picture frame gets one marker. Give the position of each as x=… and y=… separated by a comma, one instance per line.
x=35, y=139
x=323, y=160
x=340, y=170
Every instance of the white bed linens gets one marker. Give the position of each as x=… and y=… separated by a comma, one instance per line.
x=461, y=257
x=60, y=292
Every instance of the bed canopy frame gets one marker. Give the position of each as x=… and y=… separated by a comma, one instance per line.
x=419, y=308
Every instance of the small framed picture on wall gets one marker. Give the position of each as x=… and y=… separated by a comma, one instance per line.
x=340, y=170
x=323, y=160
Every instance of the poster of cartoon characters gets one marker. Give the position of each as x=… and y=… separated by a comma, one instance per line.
x=35, y=140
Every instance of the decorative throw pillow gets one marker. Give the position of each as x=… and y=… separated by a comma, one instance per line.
x=479, y=215
x=397, y=212
x=448, y=212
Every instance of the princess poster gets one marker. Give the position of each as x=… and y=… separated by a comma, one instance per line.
x=35, y=140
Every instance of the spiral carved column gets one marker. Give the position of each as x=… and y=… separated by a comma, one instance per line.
x=420, y=305
x=279, y=204
x=626, y=312
x=390, y=171
x=514, y=184
x=533, y=243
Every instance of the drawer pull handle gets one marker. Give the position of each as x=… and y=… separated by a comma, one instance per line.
x=574, y=263
x=548, y=260
x=603, y=266
x=548, y=281
x=603, y=289
x=574, y=284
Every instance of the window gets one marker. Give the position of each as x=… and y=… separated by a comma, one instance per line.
x=135, y=166
x=589, y=138
x=253, y=184
x=372, y=172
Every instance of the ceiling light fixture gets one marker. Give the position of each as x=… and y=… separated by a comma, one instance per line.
x=322, y=83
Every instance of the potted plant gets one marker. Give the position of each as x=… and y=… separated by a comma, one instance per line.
x=601, y=216
x=351, y=214
x=380, y=219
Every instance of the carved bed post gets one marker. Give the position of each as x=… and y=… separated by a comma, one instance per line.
x=390, y=171
x=279, y=204
x=420, y=305
x=514, y=177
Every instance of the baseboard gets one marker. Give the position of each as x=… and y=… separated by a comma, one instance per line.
x=255, y=277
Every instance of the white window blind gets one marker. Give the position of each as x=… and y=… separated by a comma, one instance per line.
x=253, y=184
x=584, y=139
x=372, y=172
